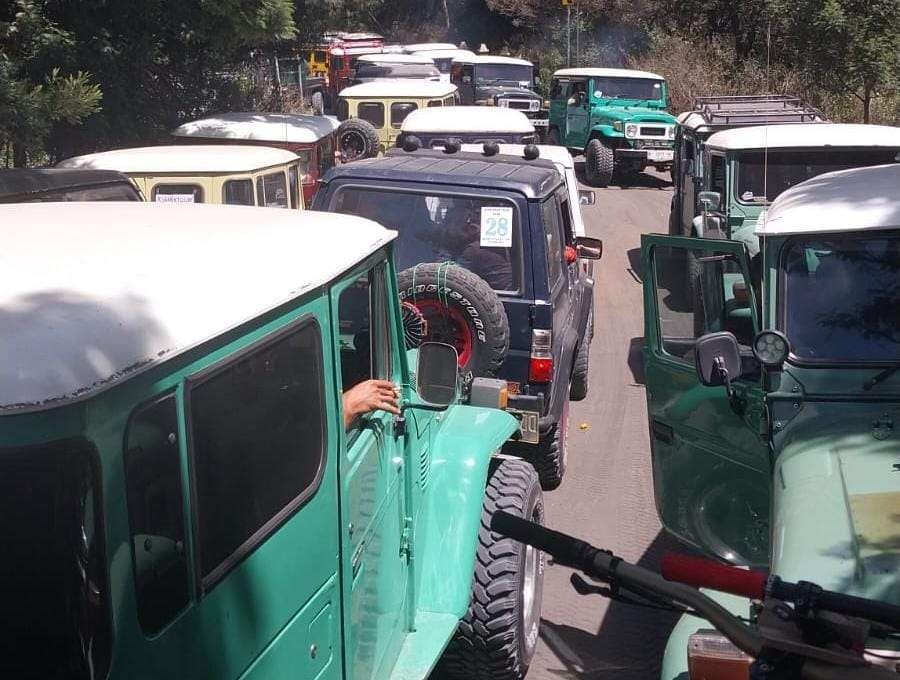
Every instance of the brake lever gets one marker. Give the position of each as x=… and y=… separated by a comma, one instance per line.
x=582, y=587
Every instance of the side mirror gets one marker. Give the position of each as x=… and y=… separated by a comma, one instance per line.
x=710, y=200
x=467, y=79
x=436, y=373
x=718, y=359
x=572, y=101
x=589, y=248
x=586, y=197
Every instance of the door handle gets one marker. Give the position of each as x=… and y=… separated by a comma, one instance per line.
x=662, y=432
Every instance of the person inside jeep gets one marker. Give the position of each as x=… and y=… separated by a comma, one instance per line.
x=491, y=264
x=370, y=396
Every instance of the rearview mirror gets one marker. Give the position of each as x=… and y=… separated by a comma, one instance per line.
x=717, y=358
x=436, y=373
x=710, y=200
x=586, y=197
x=589, y=248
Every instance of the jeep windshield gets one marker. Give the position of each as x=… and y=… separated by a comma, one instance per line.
x=628, y=88
x=762, y=176
x=56, y=619
x=841, y=298
x=480, y=234
x=516, y=75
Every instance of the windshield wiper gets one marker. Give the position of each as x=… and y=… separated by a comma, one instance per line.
x=880, y=377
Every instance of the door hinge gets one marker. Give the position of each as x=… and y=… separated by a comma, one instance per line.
x=406, y=539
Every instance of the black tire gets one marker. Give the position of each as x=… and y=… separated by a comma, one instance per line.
x=578, y=389
x=494, y=641
x=692, y=274
x=553, y=137
x=550, y=455
x=448, y=295
x=599, y=163
x=317, y=102
x=357, y=139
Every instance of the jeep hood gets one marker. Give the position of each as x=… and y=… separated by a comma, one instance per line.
x=634, y=114
x=837, y=507
x=506, y=91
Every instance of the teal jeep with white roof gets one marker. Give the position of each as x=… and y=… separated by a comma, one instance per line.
x=616, y=117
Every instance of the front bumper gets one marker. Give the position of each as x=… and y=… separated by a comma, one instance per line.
x=651, y=156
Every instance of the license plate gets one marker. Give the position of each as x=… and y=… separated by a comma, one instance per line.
x=540, y=123
x=659, y=155
x=528, y=425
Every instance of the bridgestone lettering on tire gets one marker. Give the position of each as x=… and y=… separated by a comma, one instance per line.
x=599, y=163
x=446, y=294
x=497, y=637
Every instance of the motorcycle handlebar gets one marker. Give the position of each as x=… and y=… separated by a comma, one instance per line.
x=605, y=566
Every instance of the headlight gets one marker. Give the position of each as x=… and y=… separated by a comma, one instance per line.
x=631, y=130
x=771, y=348
x=489, y=101
x=618, y=126
x=503, y=103
x=670, y=131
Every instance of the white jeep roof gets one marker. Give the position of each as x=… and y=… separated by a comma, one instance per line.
x=492, y=59
x=270, y=127
x=467, y=119
x=394, y=58
x=94, y=293
x=605, y=73
x=457, y=54
x=805, y=135
x=184, y=159
x=399, y=87
x=421, y=47
x=849, y=200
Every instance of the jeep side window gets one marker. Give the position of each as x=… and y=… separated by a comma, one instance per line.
x=556, y=88
x=272, y=191
x=372, y=112
x=257, y=425
x=155, y=513
x=399, y=112
x=717, y=176
x=554, y=242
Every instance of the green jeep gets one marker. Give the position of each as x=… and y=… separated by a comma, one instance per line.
x=772, y=403
x=616, y=117
x=182, y=491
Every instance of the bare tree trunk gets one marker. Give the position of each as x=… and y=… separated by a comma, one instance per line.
x=20, y=159
x=446, y=16
x=867, y=103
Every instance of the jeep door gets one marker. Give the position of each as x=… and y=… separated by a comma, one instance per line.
x=686, y=181
x=231, y=486
x=711, y=467
x=577, y=115
x=373, y=495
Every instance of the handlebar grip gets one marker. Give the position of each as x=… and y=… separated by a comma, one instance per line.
x=703, y=573
x=850, y=605
x=564, y=549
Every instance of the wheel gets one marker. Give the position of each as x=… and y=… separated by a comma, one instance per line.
x=553, y=137
x=318, y=103
x=692, y=273
x=599, y=163
x=460, y=309
x=579, y=388
x=497, y=637
x=357, y=139
x=550, y=455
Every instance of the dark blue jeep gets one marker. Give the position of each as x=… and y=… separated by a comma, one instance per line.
x=490, y=262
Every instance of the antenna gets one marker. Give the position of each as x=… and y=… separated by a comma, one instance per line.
x=764, y=272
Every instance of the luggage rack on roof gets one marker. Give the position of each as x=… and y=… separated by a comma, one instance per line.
x=756, y=109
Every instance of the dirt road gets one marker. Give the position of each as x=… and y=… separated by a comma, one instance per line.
x=607, y=496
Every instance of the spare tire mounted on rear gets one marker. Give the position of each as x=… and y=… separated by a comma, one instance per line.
x=461, y=310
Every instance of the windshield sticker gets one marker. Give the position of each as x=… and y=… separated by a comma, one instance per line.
x=496, y=227
x=174, y=198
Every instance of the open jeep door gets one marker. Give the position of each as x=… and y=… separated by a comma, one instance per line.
x=711, y=466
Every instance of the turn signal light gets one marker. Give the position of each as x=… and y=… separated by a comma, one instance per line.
x=711, y=656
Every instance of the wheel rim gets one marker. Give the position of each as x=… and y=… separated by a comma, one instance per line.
x=448, y=325
x=353, y=145
x=532, y=589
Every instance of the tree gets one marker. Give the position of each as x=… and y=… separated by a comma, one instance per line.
x=844, y=46
x=35, y=92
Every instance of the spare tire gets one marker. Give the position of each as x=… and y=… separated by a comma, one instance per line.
x=357, y=139
x=460, y=309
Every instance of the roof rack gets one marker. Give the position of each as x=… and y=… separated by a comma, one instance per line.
x=727, y=110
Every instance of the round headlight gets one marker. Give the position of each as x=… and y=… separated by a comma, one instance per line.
x=631, y=130
x=771, y=348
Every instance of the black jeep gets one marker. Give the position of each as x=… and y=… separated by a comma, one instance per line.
x=28, y=185
x=490, y=262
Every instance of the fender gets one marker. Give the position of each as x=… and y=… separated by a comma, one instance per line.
x=602, y=130
x=446, y=532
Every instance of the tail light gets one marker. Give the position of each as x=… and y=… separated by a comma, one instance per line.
x=711, y=656
x=540, y=368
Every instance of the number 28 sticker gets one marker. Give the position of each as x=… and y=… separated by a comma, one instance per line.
x=496, y=227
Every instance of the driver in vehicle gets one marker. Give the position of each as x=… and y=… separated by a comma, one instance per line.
x=491, y=264
x=370, y=396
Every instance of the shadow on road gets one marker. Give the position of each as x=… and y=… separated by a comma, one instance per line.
x=631, y=639
x=634, y=263
x=640, y=180
x=636, y=360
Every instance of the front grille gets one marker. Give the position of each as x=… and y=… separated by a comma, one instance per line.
x=519, y=104
x=653, y=132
